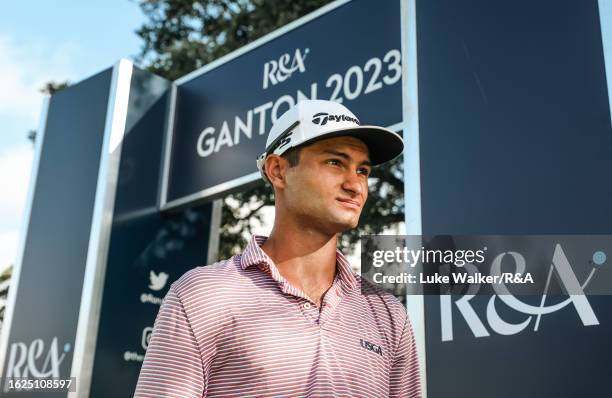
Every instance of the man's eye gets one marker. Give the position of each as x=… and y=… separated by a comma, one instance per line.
x=334, y=162
x=364, y=171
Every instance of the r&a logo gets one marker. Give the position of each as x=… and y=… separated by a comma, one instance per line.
x=567, y=278
x=278, y=71
x=30, y=361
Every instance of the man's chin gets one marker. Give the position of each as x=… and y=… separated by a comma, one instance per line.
x=335, y=223
x=346, y=225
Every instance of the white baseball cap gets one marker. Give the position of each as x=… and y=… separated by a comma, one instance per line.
x=311, y=120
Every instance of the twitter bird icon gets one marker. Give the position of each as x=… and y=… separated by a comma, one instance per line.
x=158, y=281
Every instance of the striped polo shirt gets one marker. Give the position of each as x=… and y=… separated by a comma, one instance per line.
x=237, y=328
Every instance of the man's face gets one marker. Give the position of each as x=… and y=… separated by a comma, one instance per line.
x=329, y=186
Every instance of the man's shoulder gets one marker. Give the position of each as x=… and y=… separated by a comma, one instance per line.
x=206, y=277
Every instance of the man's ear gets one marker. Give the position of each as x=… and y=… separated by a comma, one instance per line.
x=275, y=167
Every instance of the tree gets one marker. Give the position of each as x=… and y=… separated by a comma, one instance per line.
x=180, y=36
x=52, y=87
x=5, y=280
x=183, y=35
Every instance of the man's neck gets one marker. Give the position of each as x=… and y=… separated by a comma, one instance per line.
x=305, y=257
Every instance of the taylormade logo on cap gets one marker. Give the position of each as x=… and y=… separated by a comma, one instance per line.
x=322, y=118
x=311, y=120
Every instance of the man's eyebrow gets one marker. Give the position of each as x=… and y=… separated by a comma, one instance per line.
x=345, y=156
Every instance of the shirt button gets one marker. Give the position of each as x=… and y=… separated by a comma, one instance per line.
x=307, y=306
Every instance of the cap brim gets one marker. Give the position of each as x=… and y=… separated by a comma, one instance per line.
x=383, y=144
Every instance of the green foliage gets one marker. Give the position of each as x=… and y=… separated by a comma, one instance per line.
x=5, y=277
x=241, y=212
x=52, y=87
x=183, y=35
x=180, y=36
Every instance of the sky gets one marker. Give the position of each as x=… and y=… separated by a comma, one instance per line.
x=45, y=41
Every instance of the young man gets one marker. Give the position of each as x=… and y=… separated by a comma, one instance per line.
x=287, y=317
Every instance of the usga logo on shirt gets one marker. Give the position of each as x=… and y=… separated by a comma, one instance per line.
x=371, y=347
x=566, y=277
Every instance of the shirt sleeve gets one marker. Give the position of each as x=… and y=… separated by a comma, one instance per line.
x=404, y=377
x=173, y=364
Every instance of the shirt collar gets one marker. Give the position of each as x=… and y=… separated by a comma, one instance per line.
x=253, y=255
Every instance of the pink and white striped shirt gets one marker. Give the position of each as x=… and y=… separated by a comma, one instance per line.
x=237, y=328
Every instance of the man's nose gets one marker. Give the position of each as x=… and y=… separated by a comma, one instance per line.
x=353, y=183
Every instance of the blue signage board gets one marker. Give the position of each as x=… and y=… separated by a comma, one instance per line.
x=348, y=52
x=515, y=138
x=41, y=327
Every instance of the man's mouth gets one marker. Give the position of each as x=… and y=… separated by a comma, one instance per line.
x=353, y=204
